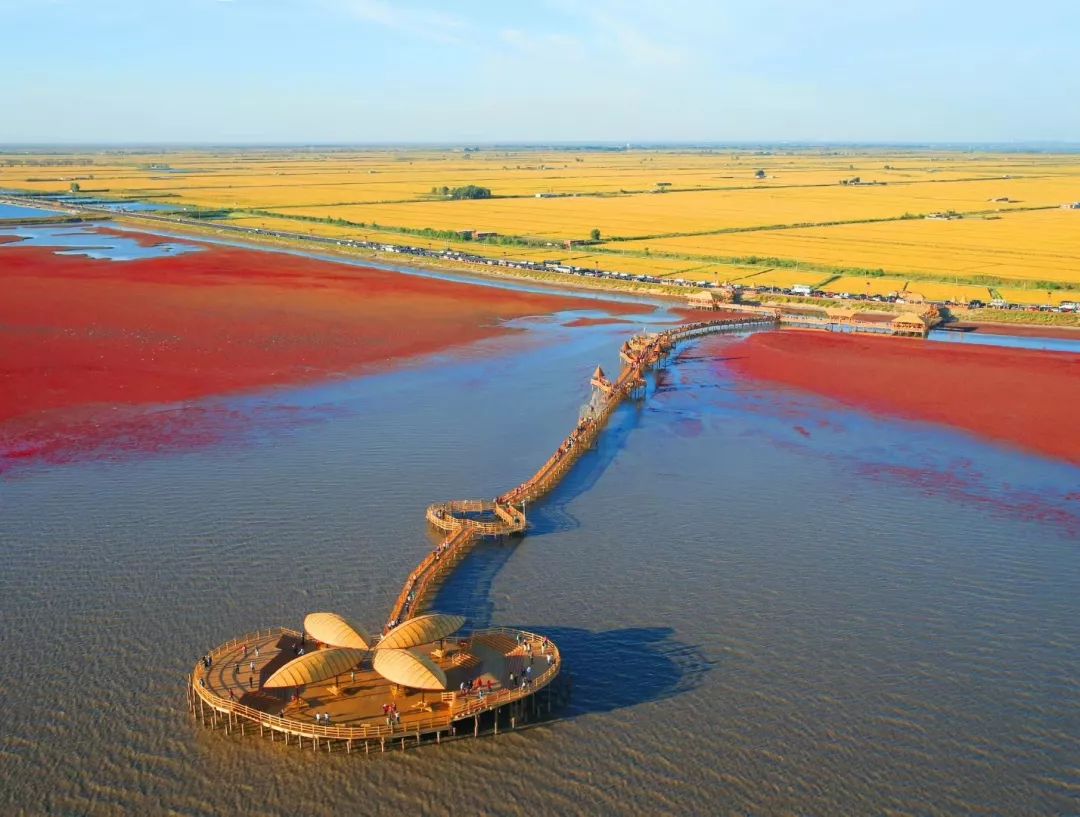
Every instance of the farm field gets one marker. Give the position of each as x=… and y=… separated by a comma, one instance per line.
x=715, y=273
x=402, y=174
x=943, y=291
x=648, y=214
x=706, y=215
x=784, y=278
x=1034, y=245
x=1038, y=297
x=633, y=265
x=853, y=285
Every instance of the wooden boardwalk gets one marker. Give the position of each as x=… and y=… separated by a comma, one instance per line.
x=347, y=712
x=466, y=521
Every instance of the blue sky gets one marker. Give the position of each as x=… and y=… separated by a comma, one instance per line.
x=547, y=70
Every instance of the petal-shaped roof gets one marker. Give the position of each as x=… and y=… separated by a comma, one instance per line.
x=409, y=669
x=316, y=666
x=332, y=629
x=421, y=630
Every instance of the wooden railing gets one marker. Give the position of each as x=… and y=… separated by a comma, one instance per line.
x=643, y=352
x=640, y=353
x=458, y=708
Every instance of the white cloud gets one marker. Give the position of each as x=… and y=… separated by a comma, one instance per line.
x=563, y=46
x=633, y=42
x=636, y=32
x=421, y=22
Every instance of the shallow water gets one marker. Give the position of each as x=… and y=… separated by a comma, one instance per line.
x=1012, y=341
x=770, y=604
x=87, y=240
x=14, y=211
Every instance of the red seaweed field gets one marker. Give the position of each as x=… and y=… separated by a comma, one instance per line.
x=1022, y=397
x=89, y=346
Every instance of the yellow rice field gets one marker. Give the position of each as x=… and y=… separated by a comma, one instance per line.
x=1036, y=245
x=782, y=278
x=853, y=285
x=1038, y=297
x=651, y=214
x=719, y=205
x=716, y=273
x=940, y=291
x=635, y=266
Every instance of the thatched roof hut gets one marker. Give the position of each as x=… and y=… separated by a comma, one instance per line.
x=842, y=314
x=910, y=323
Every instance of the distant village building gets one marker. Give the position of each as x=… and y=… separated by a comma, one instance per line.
x=716, y=298
x=842, y=315
x=910, y=324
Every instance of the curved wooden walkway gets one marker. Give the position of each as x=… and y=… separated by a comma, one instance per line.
x=224, y=692
x=466, y=521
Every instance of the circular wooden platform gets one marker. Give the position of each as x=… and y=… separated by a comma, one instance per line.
x=352, y=708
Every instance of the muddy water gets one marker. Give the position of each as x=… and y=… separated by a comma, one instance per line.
x=771, y=605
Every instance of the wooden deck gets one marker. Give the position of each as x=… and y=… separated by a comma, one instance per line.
x=230, y=692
